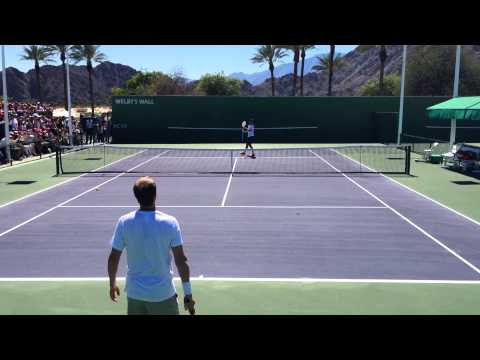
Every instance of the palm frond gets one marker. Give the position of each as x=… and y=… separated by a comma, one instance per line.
x=323, y=62
x=87, y=53
x=76, y=53
x=258, y=58
x=267, y=53
x=37, y=53
x=59, y=49
x=279, y=53
x=99, y=57
x=28, y=52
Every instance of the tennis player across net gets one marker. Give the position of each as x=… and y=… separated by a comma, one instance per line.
x=345, y=159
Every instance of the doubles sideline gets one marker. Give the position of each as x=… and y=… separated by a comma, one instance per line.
x=424, y=232
x=248, y=279
x=79, y=195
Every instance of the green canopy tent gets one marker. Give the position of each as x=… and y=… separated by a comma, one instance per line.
x=458, y=108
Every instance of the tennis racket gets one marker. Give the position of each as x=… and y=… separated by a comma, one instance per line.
x=244, y=124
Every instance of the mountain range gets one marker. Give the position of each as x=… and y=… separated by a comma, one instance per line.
x=360, y=66
x=22, y=86
x=280, y=70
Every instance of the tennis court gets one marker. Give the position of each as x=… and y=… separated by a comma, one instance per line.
x=288, y=215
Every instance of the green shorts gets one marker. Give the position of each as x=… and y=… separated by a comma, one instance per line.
x=166, y=307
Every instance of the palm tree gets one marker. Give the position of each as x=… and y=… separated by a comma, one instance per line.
x=62, y=50
x=330, y=69
x=383, y=57
x=90, y=54
x=269, y=54
x=37, y=54
x=296, y=59
x=382, y=54
x=326, y=62
x=304, y=49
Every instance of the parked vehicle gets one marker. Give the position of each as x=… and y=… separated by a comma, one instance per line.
x=467, y=158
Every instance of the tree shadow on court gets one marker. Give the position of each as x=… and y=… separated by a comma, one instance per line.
x=18, y=182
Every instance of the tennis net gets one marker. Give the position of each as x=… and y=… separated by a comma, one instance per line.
x=419, y=144
x=228, y=135
x=344, y=159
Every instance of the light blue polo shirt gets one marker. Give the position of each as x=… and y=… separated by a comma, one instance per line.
x=148, y=237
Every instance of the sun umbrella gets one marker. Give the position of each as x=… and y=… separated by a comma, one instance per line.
x=459, y=108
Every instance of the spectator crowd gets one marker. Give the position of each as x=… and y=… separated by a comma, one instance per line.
x=35, y=131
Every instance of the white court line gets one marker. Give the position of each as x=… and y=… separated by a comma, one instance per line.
x=228, y=157
x=29, y=162
x=416, y=192
x=77, y=196
x=465, y=261
x=33, y=161
x=238, y=129
x=252, y=279
x=231, y=206
x=64, y=182
x=229, y=182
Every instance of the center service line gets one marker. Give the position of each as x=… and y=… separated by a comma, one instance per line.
x=229, y=182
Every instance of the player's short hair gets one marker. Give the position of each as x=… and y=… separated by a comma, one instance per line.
x=145, y=190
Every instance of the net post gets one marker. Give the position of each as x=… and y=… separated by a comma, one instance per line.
x=360, y=159
x=408, y=153
x=402, y=95
x=231, y=161
x=57, y=160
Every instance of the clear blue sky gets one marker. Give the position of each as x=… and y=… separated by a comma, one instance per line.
x=194, y=60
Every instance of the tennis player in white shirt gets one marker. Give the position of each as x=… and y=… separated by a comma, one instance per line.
x=250, y=130
x=149, y=237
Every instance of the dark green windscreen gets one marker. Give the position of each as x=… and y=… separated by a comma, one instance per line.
x=143, y=119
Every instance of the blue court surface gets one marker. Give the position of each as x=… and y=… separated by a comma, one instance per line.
x=330, y=226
